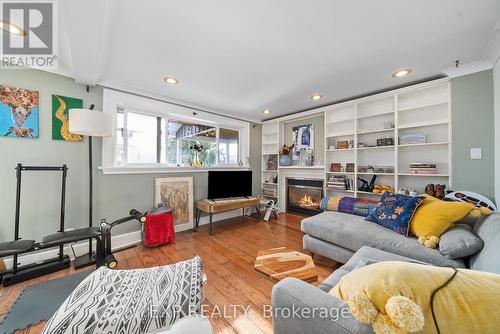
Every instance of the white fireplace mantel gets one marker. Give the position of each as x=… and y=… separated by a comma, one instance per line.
x=299, y=173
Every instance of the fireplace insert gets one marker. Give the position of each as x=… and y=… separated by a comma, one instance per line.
x=304, y=196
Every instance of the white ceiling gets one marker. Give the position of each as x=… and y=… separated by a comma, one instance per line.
x=238, y=57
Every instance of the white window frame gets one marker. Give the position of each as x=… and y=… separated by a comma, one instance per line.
x=151, y=107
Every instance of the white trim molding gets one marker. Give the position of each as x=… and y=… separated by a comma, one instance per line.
x=469, y=68
x=113, y=99
x=164, y=170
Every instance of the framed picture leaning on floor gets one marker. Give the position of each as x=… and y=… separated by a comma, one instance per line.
x=176, y=192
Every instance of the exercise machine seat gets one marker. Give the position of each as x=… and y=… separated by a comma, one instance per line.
x=15, y=247
x=67, y=237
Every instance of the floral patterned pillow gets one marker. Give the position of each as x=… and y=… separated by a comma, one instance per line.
x=395, y=212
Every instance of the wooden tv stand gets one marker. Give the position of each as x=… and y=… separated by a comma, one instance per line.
x=222, y=205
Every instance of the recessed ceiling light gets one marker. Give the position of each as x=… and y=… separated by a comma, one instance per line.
x=401, y=73
x=316, y=97
x=171, y=80
x=11, y=28
x=266, y=111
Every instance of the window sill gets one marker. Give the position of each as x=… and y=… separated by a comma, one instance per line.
x=164, y=170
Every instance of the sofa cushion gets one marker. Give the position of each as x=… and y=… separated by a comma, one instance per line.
x=460, y=242
x=488, y=259
x=353, y=232
x=373, y=255
x=395, y=212
x=332, y=280
x=364, y=256
x=434, y=216
x=469, y=304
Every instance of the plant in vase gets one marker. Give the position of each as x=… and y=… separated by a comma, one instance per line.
x=196, y=149
x=285, y=155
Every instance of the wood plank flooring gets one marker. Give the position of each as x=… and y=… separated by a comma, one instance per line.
x=228, y=257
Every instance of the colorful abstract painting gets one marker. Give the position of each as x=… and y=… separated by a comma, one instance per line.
x=18, y=112
x=60, y=126
x=302, y=138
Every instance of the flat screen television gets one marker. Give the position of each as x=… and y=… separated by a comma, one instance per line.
x=225, y=184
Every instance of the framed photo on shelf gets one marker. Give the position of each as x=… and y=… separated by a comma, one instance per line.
x=272, y=162
x=335, y=167
x=342, y=144
x=349, y=167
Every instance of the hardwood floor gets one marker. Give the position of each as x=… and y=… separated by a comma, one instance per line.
x=228, y=257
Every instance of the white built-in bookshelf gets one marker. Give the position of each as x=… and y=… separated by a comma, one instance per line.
x=270, y=148
x=422, y=109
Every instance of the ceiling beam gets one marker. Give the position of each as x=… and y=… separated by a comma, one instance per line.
x=492, y=53
x=88, y=25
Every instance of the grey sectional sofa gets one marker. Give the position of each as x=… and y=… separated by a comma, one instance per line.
x=351, y=240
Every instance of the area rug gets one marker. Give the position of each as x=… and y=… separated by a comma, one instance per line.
x=39, y=302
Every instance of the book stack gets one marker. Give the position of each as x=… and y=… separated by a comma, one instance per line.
x=340, y=183
x=423, y=168
x=412, y=139
x=268, y=192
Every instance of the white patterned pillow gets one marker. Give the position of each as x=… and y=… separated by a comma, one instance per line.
x=131, y=301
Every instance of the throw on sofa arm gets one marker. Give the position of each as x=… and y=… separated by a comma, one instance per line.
x=299, y=307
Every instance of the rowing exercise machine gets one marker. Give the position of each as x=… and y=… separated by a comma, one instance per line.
x=18, y=246
x=104, y=255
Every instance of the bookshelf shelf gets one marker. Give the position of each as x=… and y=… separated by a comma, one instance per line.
x=368, y=131
x=424, y=144
x=386, y=113
x=376, y=148
x=423, y=124
x=424, y=175
x=424, y=106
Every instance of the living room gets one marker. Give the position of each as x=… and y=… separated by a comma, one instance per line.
x=250, y=167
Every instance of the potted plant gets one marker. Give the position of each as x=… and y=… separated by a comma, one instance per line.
x=285, y=155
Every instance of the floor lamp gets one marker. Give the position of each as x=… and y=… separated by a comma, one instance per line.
x=91, y=123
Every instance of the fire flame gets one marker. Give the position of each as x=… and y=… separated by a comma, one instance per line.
x=307, y=201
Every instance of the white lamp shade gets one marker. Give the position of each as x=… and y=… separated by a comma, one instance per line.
x=88, y=122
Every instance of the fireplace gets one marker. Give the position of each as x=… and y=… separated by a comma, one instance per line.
x=303, y=196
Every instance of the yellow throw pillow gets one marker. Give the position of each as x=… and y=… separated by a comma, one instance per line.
x=395, y=297
x=434, y=217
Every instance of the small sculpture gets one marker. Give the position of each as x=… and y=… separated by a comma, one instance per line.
x=440, y=190
x=430, y=190
x=365, y=186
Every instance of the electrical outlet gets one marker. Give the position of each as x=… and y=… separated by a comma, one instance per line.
x=476, y=153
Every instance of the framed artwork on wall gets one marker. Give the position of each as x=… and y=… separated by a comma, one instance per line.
x=176, y=192
x=18, y=112
x=60, y=126
x=302, y=139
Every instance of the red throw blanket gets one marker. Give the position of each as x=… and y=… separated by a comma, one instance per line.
x=159, y=229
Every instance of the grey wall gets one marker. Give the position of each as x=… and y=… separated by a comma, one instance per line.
x=114, y=195
x=319, y=134
x=473, y=127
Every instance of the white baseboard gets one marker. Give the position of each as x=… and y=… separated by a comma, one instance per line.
x=118, y=242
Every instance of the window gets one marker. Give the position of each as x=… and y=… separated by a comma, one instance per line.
x=145, y=139
x=188, y=142
x=228, y=146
